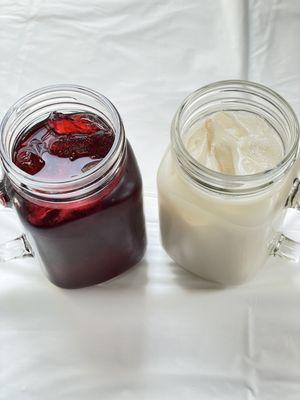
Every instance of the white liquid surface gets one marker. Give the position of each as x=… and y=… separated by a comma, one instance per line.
x=234, y=143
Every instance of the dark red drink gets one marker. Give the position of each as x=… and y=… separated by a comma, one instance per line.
x=93, y=238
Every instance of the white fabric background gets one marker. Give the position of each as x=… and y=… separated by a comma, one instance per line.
x=157, y=332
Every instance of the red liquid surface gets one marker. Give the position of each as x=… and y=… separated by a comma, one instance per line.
x=63, y=146
x=91, y=240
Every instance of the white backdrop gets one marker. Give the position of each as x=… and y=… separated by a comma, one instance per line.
x=157, y=332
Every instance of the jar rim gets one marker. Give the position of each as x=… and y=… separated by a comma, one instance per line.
x=62, y=185
x=240, y=184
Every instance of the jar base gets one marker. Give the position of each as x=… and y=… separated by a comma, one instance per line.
x=100, y=281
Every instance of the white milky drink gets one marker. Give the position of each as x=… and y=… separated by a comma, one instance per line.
x=224, y=234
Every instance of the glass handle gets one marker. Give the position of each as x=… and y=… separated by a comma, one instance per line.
x=15, y=248
x=286, y=243
x=19, y=246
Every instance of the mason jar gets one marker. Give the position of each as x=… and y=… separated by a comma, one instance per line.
x=223, y=227
x=85, y=229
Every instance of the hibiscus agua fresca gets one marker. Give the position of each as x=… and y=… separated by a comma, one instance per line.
x=85, y=239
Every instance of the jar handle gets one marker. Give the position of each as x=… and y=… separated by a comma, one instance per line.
x=286, y=243
x=19, y=246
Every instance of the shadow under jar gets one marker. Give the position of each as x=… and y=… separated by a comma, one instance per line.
x=88, y=228
x=223, y=227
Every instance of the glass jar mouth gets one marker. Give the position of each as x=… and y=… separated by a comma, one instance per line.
x=217, y=181
x=41, y=100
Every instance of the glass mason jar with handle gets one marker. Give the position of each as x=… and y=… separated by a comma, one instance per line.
x=223, y=227
x=85, y=229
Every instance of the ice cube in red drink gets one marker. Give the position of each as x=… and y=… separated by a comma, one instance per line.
x=50, y=148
